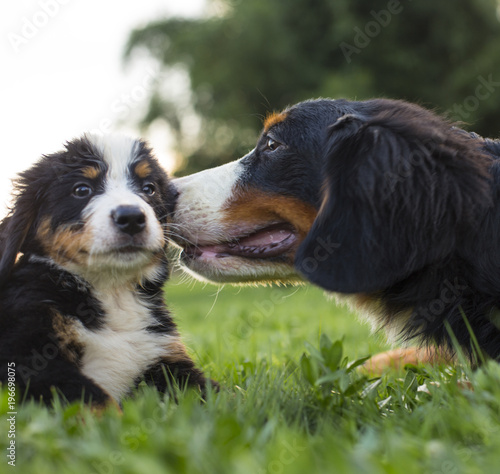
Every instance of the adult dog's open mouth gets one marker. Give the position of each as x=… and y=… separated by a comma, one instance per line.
x=266, y=242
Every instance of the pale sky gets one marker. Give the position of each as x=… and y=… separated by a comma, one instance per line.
x=62, y=74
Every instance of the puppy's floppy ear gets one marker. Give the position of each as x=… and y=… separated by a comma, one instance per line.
x=15, y=228
x=401, y=187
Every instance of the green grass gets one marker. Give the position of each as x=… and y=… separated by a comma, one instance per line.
x=291, y=402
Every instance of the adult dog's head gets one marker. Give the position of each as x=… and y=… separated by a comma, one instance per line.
x=352, y=196
x=98, y=209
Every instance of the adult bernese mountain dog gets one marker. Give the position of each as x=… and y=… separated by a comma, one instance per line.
x=82, y=271
x=380, y=200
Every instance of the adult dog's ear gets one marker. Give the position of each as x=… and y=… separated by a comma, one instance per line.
x=402, y=186
x=13, y=231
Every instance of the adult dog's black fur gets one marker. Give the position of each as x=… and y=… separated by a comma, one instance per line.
x=381, y=200
x=82, y=310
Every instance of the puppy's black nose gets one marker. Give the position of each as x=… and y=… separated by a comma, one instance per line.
x=129, y=219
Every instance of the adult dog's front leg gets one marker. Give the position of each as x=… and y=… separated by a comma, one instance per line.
x=398, y=358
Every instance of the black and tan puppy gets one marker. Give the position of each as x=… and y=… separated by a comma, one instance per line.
x=81, y=275
x=381, y=200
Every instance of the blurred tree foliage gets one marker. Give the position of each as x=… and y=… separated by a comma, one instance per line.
x=261, y=55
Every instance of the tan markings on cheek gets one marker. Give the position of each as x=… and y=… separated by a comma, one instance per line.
x=176, y=352
x=67, y=337
x=259, y=208
x=274, y=118
x=142, y=170
x=44, y=233
x=91, y=172
x=64, y=245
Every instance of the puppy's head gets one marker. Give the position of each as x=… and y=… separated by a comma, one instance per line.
x=353, y=196
x=97, y=208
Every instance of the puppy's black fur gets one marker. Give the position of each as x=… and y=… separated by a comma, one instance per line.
x=63, y=316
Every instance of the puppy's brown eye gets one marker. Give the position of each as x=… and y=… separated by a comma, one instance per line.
x=272, y=144
x=148, y=189
x=82, y=190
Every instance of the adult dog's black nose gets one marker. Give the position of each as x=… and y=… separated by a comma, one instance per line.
x=129, y=219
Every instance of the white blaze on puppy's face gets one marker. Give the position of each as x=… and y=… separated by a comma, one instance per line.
x=107, y=247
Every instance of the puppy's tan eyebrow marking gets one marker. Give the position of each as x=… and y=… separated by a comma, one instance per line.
x=142, y=169
x=274, y=118
x=91, y=172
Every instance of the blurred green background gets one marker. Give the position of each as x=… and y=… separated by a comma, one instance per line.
x=249, y=58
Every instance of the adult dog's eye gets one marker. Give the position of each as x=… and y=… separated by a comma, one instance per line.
x=272, y=144
x=148, y=189
x=82, y=191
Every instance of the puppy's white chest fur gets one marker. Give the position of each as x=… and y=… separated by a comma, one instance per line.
x=120, y=352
